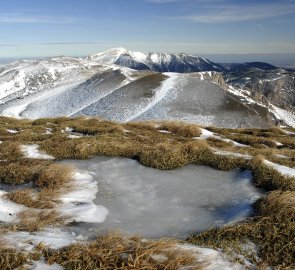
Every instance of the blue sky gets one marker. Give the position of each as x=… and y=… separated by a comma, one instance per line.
x=81, y=27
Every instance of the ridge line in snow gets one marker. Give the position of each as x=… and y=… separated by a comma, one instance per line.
x=160, y=94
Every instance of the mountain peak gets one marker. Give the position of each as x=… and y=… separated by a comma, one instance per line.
x=160, y=62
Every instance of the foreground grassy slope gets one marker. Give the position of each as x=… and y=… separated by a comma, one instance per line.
x=161, y=145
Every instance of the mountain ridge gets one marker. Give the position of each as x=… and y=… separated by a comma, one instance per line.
x=160, y=62
x=241, y=95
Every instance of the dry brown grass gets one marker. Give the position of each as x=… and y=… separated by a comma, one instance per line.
x=272, y=230
x=278, y=203
x=13, y=259
x=22, y=171
x=30, y=198
x=33, y=220
x=268, y=178
x=51, y=182
x=10, y=151
x=164, y=156
x=55, y=176
x=181, y=129
x=114, y=251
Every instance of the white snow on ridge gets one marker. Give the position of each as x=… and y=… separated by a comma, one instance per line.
x=167, y=86
x=9, y=87
x=15, y=111
x=284, y=115
x=31, y=151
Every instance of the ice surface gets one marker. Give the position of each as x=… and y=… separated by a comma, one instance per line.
x=157, y=203
x=8, y=209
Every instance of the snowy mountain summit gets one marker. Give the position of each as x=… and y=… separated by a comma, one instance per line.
x=160, y=62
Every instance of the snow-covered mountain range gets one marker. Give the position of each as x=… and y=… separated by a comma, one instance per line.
x=123, y=86
x=160, y=62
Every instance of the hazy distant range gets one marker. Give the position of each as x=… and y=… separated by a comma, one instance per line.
x=279, y=59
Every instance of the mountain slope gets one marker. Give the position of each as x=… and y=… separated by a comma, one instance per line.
x=66, y=86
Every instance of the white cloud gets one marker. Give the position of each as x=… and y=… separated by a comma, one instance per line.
x=22, y=18
x=235, y=13
x=163, y=1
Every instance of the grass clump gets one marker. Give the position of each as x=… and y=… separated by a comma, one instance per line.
x=20, y=172
x=14, y=259
x=181, y=128
x=29, y=198
x=277, y=203
x=32, y=220
x=114, y=251
x=164, y=156
x=10, y=151
x=201, y=154
x=51, y=181
x=269, y=178
x=54, y=176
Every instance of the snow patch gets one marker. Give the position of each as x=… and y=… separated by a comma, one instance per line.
x=228, y=153
x=208, y=134
x=284, y=170
x=41, y=265
x=78, y=204
x=31, y=151
x=8, y=209
x=284, y=115
x=212, y=259
x=53, y=237
x=12, y=131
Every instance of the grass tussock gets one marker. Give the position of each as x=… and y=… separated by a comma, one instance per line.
x=268, y=178
x=164, y=157
x=199, y=153
x=278, y=203
x=181, y=128
x=32, y=220
x=22, y=171
x=114, y=251
x=50, y=183
x=54, y=176
x=10, y=151
x=30, y=198
x=14, y=259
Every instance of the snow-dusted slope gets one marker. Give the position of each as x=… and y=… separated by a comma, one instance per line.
x=95, y=86
x=171, y=96
x=160, y=62
x=57, y=86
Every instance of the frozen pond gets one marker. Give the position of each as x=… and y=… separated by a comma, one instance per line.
x=156, y=203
